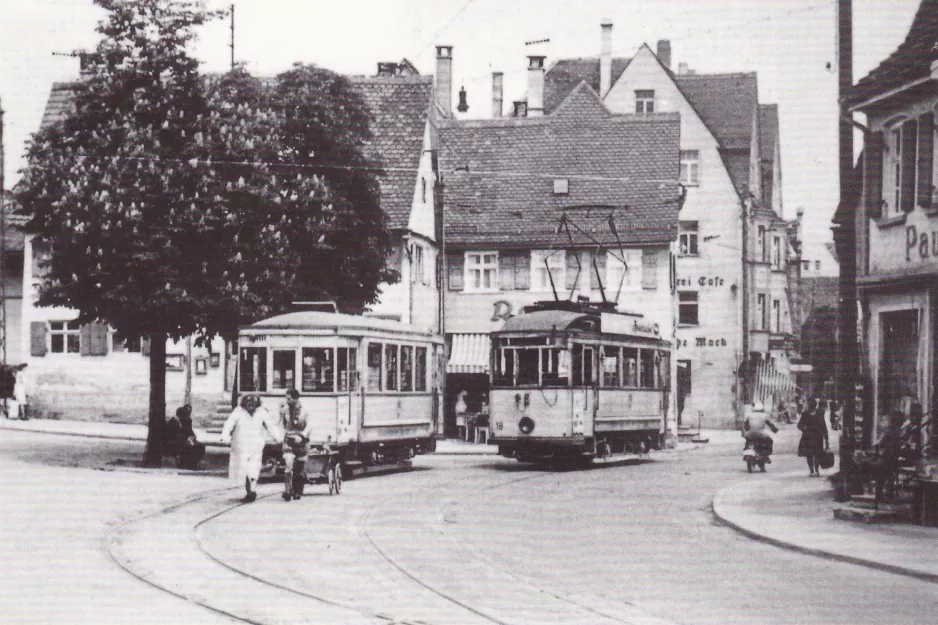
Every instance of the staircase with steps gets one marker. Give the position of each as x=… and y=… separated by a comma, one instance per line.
x=865, y=509
x=217, y=420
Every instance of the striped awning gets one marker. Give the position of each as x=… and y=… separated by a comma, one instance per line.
x=469, y=353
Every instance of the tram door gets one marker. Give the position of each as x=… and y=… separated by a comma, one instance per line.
x=585, y=388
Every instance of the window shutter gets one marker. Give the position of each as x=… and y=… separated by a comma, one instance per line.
x=84, y=346
x=98, y=334
x=145, y=345
x=599, y=260
x=926, y=137
x=506, y=270
x=454, y=267
x=572, y=268
x=909, y=139
x=649, y=270
x=873, y=169
x=523, y=271
x=37, y=333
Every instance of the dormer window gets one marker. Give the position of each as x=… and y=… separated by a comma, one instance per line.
x=561, y=186
x=645, y=101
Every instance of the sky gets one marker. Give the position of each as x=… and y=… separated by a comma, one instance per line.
x=789, y=43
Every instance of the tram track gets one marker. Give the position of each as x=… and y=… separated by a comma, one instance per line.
x=229, y=586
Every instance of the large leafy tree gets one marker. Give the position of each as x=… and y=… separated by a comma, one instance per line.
x=172, y=204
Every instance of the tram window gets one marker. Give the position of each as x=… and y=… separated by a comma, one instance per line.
x=589, y=378
x=505, y=368
x=611, y=357
x=347, y=358
x=374, y=366
x=629, y=366
x=420, y=370
x=527, y=366
x=284, y=369
x=390, y=367
x=648, y=368
x=318, y=370
x=253, y=369
x=407, y=368
x=555, y=367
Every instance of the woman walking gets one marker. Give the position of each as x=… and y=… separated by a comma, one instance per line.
x=814, y=438
x=244, y=429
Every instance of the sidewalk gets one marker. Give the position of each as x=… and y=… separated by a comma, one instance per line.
x=793, y=511
x=131, y=432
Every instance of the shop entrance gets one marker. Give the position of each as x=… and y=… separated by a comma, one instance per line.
x=683, y=387
x=898, y=366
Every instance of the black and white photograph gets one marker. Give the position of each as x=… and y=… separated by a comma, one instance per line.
x=469, y=312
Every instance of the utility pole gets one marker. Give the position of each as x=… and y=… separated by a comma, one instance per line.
x=3, y=294
x=231, y=44
x=845, y=238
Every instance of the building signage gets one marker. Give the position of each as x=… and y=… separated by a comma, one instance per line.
x=701, y=341
x=701, y=281
x=501, y=310
x=917, y=245
x=786, y=343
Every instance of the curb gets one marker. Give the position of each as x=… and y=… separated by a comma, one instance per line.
x=819, y=553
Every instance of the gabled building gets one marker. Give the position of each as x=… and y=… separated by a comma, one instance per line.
x=734, y=310
x=65, y=379
x=580, y=204
x=896, y=222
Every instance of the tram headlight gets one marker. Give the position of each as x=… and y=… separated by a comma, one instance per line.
x=526, y=425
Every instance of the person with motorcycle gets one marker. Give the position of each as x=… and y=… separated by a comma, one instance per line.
x=759, y=444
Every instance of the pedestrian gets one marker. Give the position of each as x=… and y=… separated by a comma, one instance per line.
x=244, y=429
x=190, y=450
x=297, y=427
x=754, y=431
x=814, y=438
x=835, y=415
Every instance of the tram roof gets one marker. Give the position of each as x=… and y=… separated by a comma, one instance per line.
x=337, y=322
x=546, y=320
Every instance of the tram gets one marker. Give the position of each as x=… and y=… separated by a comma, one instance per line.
x=370, y=385
x=577, y=381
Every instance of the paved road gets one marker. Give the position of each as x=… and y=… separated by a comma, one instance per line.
x=463, y=540
x=475, y=540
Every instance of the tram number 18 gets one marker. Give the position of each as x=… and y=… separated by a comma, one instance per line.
x=499, y=425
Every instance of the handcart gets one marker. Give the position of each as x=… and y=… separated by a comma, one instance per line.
x=323, y=467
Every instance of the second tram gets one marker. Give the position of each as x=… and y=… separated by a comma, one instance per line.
x=575, y=381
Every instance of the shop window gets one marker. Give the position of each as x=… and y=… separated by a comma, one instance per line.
x=898, y=367
x=64, y=337
x=690, y=168
x=390, y=367
x=547, y=265
x=687, y=308
x=317, y=370
x=687, y=239
x=420, y=369
x=252, y=369
x=481, y=271
x=284, y=373
x=644, y=100
x=347, y=362
x=374, y=366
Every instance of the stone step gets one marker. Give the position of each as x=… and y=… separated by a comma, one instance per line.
x=869, y=502
x=866, y=515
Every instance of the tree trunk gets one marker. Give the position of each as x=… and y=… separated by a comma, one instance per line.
x=153, y=456
x=234, y=382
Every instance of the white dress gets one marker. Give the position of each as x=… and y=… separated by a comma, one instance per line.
x=246, y=434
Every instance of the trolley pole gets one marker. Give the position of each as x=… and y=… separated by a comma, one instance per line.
x=845, y=238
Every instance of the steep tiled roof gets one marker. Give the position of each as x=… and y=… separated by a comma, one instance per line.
x=725, y=103
x=501, y=191
x=400, y=106
x=566, y=74
x=910, y=62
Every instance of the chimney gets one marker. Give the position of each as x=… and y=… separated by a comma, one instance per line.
x=605, y=57
x=682, y=69
x=535, y=86
x=664, y=52
x=498, y=82
x=463, y=106
x=444, y=78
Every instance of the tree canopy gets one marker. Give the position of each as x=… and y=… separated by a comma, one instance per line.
x=173, y=204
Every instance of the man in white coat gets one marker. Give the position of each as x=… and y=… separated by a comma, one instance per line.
x=244, y=429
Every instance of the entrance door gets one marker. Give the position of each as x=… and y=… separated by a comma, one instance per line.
x=898, y=365
x=683, y=387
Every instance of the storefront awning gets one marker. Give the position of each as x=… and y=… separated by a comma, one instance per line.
x=469, y=354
